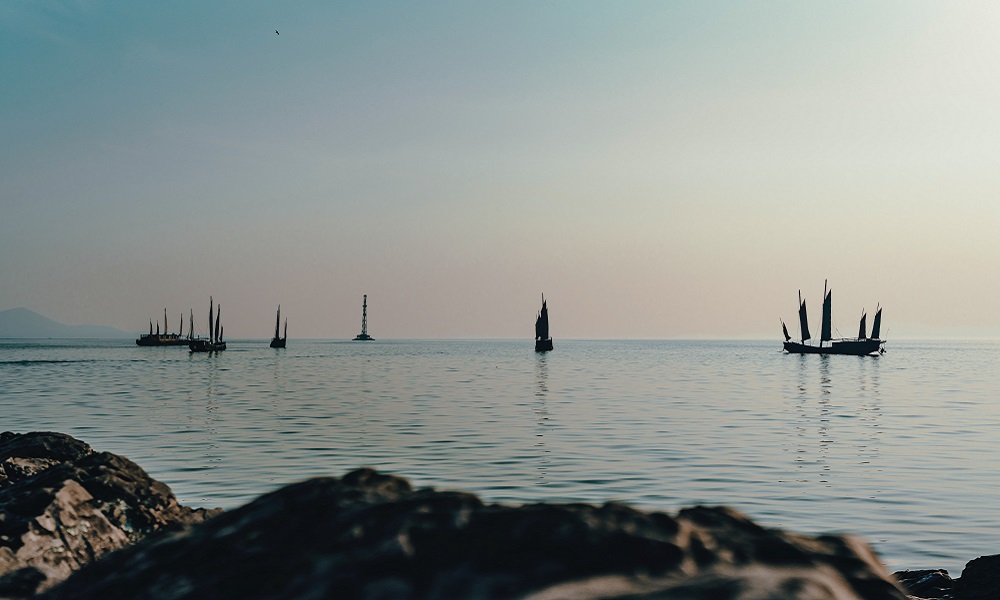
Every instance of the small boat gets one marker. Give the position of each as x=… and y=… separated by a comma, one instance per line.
x=859, y=346
x=214, y=341
x=543, y=343
x=363, y=336
x=279, y=342
x=162, y=339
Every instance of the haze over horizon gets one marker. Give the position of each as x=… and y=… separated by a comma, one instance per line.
x=657, y=170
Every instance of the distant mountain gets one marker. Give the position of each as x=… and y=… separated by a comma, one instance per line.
x=24, y=323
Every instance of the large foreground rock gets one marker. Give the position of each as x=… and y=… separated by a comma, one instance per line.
x=62, y=505
x=371, y=536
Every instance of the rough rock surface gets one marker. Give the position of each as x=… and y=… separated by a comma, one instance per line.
x=371, y=536
x=62, y=505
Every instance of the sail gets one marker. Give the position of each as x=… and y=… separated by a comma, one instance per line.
x=277, y=322
x=211, y=305
x=877, y=324
x=165, y=328
x=784, y=330
x=803, y=319
x=861, y=332
x=286, y=330
x=826, y=334
x=150, y=327
x=191, y=325
x=542, y=322
x=218, y=320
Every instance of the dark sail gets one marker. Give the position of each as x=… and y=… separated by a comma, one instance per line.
x=286, y=330
x=826, y=334
x=784, y=330
x=165, y=328
x=877, y=324
x=218, y=320
x=542, y=323
x=861, y=332
x=211, y=305
x=803, y=319
x=277, y=322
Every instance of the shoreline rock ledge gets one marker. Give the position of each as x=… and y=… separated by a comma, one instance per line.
x=80, y=524
x=63, y=505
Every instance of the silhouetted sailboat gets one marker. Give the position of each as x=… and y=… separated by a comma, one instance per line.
x=276, y=341
x=162, y=339
x=363, y=336
x=543, y=343
x=859, y=346
x=214, y=342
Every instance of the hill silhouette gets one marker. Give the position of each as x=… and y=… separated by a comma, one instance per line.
x=24, y=323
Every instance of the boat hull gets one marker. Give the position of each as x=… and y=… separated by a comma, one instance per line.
x=161, y=340
x=849, y=347
x=543, y=345
x=206, y=346
x=277, y=342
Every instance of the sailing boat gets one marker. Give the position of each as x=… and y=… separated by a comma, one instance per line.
x=214, y=342
x=363, y=336
x=279, y=342
x=162, y=339
x=859, y=346
x=543, y=343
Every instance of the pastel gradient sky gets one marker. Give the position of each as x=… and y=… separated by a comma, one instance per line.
x=657, y=169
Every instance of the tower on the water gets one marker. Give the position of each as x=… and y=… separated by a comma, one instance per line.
x=363, y=336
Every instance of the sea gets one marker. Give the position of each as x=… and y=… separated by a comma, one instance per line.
x=901, y=449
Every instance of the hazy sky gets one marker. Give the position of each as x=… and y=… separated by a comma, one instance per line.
x=657, y=169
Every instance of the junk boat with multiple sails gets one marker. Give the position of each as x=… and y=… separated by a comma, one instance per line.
x=163, y=339
x=859, y=346
x=363, y=336
x=278, y=341
x=543, y=343
x=214, y=342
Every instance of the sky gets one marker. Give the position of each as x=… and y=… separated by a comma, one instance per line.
x=657, y=169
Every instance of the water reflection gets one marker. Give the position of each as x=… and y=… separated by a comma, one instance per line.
x=837, y=417
x=541, y=410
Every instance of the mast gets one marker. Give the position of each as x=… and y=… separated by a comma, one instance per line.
x=826, y=334
x=803, y=319
x=877, y=324
x=191, y=325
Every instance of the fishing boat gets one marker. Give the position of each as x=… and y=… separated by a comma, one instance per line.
x=363, y=336
x=162, y=339
x=862, y=345
x=543, y=343
x=276, y=341
x=214, y=341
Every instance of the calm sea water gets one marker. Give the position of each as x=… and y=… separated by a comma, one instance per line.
x=900, y=448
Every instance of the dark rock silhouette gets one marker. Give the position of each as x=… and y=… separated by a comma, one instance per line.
x=370, y=535
x=62, y=505
x=80, y=524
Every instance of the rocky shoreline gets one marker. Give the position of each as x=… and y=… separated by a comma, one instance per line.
x=81, y=524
